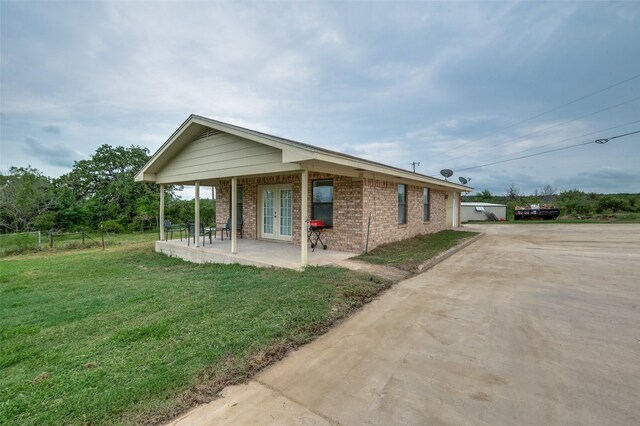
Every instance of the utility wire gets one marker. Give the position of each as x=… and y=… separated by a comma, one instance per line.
x=560, y=141
x=597, y=141
x=556, y=125
x=554, y=109
x=557, y=142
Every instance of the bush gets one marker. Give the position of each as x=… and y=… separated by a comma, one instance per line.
x=577, y=206
x=612, y=204
x=112, y=226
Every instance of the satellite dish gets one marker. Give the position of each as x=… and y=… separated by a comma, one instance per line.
x=464, y=181
x=446, y=173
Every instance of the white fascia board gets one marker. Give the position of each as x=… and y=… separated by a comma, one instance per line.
x=295, y=155
x=145, y=177
x=163, y=149
x=392, y=172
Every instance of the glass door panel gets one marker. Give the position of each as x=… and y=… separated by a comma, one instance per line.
x=286, y=212
x=268, y=204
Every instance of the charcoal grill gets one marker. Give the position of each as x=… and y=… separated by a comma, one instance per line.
x=314, y=234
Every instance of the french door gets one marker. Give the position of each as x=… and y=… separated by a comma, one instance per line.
x=276, y=212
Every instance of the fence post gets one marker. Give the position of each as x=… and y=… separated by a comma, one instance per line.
x=82, y=235
x=102, y=234
x=39, y=239
x=51, y=238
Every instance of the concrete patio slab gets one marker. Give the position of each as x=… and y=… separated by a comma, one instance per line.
x=250, y=252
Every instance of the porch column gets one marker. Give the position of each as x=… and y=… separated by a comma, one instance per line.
x=213, y=201
x=161, y=212
x=304, y=214
x=234, y=215
x=197, y=224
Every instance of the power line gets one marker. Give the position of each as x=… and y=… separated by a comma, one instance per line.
x=554, y=109
x=557, y=124
x=597, y=141
x=561, y=141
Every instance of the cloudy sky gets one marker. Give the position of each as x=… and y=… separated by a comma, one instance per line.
x=447, y=84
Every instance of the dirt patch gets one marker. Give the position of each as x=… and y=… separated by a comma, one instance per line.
x=42, y=377
x=480, y=396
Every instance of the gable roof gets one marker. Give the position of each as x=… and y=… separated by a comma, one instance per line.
x=292, y=152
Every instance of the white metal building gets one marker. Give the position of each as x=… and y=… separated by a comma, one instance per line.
x=476, y=211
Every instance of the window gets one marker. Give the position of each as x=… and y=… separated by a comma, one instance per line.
x=238, y=204
x=402, y=204
x=425, y=202
x=322, y=201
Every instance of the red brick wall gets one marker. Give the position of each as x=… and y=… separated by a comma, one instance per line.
x=381, y=200
x=353, y=200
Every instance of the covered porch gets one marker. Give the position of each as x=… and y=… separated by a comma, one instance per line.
x=249, y=252
x=293, y=236
x=269, y=187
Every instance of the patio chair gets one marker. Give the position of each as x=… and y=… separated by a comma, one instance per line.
x=191, y=232
x=227, y=228
x=170, y=227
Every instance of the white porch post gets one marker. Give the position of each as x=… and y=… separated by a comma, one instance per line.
x=234, y=215
x=213, y=201
x=161, y=212
x=197, y=218
x=304, y=190
x=455, y=209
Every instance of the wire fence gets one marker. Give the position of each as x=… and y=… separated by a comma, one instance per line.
x=21, y=241
x=38, y=240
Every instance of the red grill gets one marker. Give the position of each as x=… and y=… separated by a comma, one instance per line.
x=315, y=223
x=314, y=234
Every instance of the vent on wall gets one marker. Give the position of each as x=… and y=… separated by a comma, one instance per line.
x=206, y=133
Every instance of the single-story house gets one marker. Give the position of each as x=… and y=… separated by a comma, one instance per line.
x=480, y=211
x=275, y=185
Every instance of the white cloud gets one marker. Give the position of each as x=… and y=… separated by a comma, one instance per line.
x=394, y=83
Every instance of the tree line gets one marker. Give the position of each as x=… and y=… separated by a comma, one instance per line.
x=571, y=202
x=98, y=191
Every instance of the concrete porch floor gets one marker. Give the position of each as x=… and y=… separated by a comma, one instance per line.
x=250, y=252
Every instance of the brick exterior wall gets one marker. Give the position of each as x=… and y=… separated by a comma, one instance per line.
x=353, y=200
x=381, y=200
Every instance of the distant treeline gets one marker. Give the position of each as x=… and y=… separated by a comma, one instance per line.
x=571, y=202
x=99, y=191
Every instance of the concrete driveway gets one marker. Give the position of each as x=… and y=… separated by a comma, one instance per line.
x=531, y=325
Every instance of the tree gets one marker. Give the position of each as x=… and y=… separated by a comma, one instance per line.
x=548, y=193
x=26, y=200
x=513, y=192
x=104, y=188
x=485, y=196
x=574, y=202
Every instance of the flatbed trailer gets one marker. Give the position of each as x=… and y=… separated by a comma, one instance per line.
x=536, y=212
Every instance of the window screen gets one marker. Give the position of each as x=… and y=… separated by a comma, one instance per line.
x=402, y=203
x=322, y=201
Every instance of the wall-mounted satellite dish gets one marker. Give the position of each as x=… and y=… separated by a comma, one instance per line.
x=464, y=181
x=446, y=173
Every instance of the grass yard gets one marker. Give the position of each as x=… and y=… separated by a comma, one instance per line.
x=409, y=254
x=12, y=244
x=129, y=336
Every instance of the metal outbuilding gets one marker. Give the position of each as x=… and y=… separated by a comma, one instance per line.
x=477, y=211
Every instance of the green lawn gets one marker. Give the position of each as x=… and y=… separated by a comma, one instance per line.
x=409, y=254
x=11, y=244
x=131, y=336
